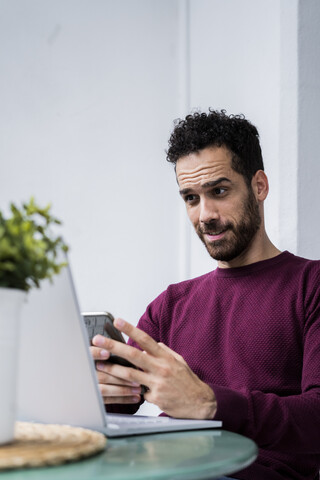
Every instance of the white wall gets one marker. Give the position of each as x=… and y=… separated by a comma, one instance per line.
x=88, y=95
x=308, y=193
x=287, y=163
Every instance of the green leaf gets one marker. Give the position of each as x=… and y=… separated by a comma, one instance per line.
x=28, y=248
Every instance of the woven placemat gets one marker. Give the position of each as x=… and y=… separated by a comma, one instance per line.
x=37, y=445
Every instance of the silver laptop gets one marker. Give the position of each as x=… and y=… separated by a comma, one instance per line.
x=57, y=381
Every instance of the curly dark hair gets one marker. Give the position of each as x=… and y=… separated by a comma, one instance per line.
x=216, y=128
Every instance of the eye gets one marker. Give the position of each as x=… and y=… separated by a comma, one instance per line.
x=190, y=199
x=218, y=191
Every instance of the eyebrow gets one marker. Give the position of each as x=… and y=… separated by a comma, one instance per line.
x=213, y=183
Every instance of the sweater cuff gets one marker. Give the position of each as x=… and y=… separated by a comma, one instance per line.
x=232, y=408
x=123, y=408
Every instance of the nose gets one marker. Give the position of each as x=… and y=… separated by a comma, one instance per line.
x=208, y=210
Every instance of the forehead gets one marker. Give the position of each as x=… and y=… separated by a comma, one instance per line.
x=208, y=164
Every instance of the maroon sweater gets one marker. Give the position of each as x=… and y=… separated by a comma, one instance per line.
x=253, y=334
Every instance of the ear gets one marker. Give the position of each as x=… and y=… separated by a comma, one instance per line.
x=260, y=185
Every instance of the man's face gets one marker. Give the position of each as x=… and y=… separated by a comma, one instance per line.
x=221, y=207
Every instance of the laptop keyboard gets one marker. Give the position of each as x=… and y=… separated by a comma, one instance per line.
x=132, y=421
x=142, y=420
x=122, y=424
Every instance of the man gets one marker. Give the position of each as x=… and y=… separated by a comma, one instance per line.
x=242, y=343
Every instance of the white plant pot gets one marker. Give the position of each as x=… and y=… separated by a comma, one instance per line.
x=10, y=306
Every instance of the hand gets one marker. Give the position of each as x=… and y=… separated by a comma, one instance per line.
x=172, y=385
x=113, y=389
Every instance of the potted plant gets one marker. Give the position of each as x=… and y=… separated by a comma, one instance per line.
x=29, y=253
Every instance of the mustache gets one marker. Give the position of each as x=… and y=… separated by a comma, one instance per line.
x=214, y=226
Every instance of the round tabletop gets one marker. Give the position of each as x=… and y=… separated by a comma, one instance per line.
x=201, y=454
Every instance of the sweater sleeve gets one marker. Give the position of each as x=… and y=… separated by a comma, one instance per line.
x=290, y=423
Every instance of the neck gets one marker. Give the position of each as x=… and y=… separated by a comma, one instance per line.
x=260, y=248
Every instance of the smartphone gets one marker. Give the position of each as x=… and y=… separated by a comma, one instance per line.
x=102, y=323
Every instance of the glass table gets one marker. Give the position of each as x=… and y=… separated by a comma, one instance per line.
x=202, y=454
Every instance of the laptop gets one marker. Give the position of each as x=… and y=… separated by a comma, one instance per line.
x=57, y=381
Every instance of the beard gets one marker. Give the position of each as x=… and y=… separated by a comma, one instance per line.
x=242, y=232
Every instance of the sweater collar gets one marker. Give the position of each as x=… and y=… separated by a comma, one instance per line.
x=253, y=267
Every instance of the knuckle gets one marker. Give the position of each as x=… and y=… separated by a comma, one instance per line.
x=165, y=371
x=109, y=343
x=156, y=399
x=180, y=358
x=124, y=391
x=135, y=353
x=144, y=336
x=95, y=352
x=129, y=374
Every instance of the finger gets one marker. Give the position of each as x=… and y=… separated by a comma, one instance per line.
x=176, y=355
x=105, y=377
x=99, y=353
x=132, y=376
x=119, y=390
x=141, y=338
x=130, y=353
x=99, y=341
